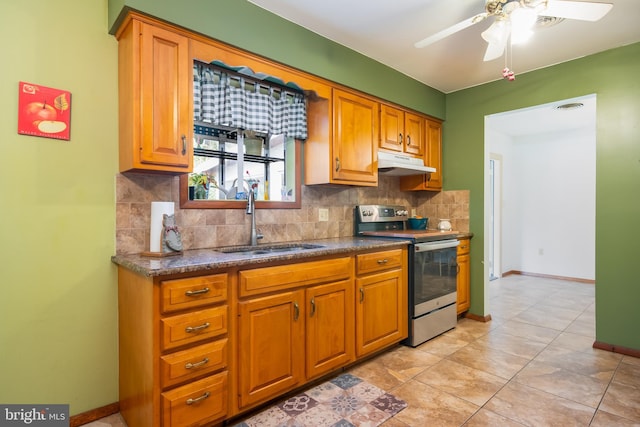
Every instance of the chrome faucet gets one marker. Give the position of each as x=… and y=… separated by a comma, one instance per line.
x=251, y=210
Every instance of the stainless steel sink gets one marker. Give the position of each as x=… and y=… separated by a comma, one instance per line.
x=268, y=249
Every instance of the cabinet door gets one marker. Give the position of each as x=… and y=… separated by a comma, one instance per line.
x=330, y=327
x=271, y=339
x=355, y=138
x=391, y=128
x=433, y=158
x=165, y=82
x=381, y=311
x=434, y=154
x=464, y=299
x=414, y=134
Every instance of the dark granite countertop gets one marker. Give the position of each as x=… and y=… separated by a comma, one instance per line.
x=205, y=259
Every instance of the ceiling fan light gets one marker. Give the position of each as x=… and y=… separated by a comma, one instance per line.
x=497, y=33
x=520, y=36
x=522, y=21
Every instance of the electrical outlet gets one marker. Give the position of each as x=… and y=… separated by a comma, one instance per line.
x=323, y=214
x=413, y=212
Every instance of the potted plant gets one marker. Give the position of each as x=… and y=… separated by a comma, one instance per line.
x=198, y=186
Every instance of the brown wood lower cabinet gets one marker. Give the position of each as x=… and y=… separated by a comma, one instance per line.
x=199, y=349
x=173, y=349
x=330, y=327
x=382, y=307
x=464, y=276
x=270, y=346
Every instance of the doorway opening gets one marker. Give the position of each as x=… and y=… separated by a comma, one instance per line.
x=539, y=188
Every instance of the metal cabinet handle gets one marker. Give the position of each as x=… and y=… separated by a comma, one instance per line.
x=383, y=261
x=313, y=306
x=458, y=268
x=198, y=399
x=463, y=247
x=196, y=292
x=184, y=145
x=361, y=294
x=190, y=365
x=192, y=329
x=399, y=139
x=296, y=311
x=337, y=164
x=408, y=139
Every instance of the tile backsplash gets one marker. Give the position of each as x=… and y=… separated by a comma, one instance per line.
x=207, y=228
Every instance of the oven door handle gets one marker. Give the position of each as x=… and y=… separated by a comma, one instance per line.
x=434, y=246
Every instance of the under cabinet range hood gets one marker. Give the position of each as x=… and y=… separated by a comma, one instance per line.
x=401, y=165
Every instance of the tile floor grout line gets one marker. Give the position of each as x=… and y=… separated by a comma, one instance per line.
x=606, y=389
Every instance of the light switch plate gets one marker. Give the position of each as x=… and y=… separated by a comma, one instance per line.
x=323, y=214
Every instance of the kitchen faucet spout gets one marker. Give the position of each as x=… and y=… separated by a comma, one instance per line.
x=251, y=210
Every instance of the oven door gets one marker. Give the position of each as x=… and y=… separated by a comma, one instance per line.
x=434, y=275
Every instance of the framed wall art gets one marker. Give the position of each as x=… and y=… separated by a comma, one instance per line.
x=44, y=111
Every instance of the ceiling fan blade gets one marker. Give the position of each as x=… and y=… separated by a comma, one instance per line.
x=496, y=35
x=451, y=30
x=581, y=10
x=494, y=51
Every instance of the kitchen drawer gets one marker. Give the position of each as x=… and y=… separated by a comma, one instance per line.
x=269, y=279
x=180, y=294
x=195, y=362
x=189, y=328
x=197, y=403
x=464, y=246
x=378, y=261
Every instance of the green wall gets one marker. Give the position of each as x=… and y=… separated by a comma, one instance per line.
x=58, y=335
x=240, y=23
x=613, y=76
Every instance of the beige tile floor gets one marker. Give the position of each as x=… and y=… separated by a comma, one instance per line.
x=532, y=365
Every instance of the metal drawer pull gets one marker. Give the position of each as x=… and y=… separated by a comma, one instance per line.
x=400, y=139
x=192, y=329
x=184, y=145
x=313, y=307
x=383, y=261
x=198, y=399
x=408, y=139
x=197, y=364
x=296, y=311
x=337, y=164
x=361, y=294
x=198, y=292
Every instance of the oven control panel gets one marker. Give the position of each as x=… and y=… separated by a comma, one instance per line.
x=381, y=213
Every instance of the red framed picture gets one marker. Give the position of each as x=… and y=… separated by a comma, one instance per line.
x=44, y=111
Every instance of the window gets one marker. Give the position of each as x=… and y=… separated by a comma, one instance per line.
x=247, y=129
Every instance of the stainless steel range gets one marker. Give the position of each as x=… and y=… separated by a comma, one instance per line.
x=432, y=264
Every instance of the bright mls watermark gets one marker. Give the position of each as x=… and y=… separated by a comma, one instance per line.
x=34, y=415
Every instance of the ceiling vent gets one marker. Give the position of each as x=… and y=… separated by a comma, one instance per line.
x=570, y=106
x=548, y=21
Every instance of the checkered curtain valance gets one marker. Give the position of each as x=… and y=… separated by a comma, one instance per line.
x=229, y=99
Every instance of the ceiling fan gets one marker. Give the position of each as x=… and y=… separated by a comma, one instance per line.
x=515, y=19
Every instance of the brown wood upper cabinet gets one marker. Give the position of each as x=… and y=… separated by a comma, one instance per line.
x=401, y=131
x=342, y=143
x=433, y=158
x=155, y=100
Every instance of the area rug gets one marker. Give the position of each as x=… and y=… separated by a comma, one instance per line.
x=345, y=401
